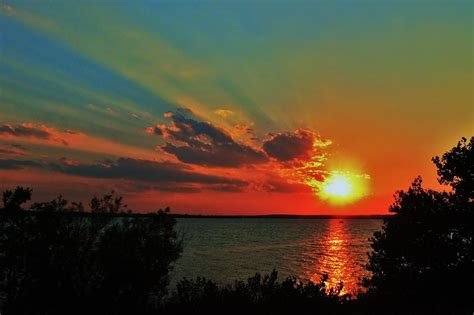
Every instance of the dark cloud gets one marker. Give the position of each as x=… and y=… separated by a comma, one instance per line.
x=288, y=146
x=204, y=144
x=154, y=130
x=30, y=130
x=66, y=161
x=17, y=145
x=24, y=131
x=142, y=170
x=223, y=155
x=12, y=164
x=144, y=174
x=183, y=187
x=281, y=186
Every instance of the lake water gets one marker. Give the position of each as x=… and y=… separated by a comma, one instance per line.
x=227, y=249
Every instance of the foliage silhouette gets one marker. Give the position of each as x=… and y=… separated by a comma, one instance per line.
x=53, y=261
x=258, y=295
x=12, y=200
x=109, y=203
x=423, y=258
x=456, y=169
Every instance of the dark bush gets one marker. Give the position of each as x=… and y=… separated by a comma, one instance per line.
x=258, y=295
x=56, y=259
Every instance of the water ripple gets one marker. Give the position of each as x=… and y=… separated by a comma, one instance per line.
x=229, y=249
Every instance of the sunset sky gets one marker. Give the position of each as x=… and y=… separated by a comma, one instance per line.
x=232, y=107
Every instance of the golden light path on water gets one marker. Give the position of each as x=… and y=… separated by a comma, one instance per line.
x=337, y=260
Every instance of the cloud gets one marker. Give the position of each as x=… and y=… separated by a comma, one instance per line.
x=280, y=185
x=13, y=150
x=144, y=174
x=301, y=155
x=244, y=128
x=154, y=130
x=51, y=136
x=223, y=112
x=66, y=161
x=212, y=155
x=143, y=170
x=7, y=8
x=12, y=164
x=204, y=143
x=103, y=110
x=112, y=111
x=29, y=130
x=137, y=186
x=288, y=146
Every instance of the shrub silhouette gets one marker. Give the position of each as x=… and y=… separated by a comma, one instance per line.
x=258, y=295
x=423, y=257
x=54, y=259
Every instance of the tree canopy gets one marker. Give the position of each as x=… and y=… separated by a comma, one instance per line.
x=424, y=253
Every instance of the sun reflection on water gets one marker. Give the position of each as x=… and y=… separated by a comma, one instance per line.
x=336, y=257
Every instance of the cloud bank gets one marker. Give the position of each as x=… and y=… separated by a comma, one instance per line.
x=144, y=174
x=202, y=143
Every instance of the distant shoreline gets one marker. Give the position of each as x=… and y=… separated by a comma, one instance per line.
x=282, y=216
x=213, y=216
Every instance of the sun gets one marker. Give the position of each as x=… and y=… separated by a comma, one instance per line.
x=343, y=187
x=338, y=186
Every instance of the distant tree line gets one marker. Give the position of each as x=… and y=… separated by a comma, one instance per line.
x=53, y=261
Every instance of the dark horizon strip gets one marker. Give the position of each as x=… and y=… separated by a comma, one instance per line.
x=198, y=216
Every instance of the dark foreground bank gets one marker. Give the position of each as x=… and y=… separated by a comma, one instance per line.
x=55, y=260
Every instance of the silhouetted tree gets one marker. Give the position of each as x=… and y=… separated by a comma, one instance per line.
x=423, y=257
x=55, y=260
x=12, y=200
x=59, y=205
x=456, y=169
x=109, y=203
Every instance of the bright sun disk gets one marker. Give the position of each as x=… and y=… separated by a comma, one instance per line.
x=343, y=187
x=338, y=186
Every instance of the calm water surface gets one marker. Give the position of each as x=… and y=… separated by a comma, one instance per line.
x=229, y=249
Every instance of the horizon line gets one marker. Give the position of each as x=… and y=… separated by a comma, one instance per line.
x=281, y=216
